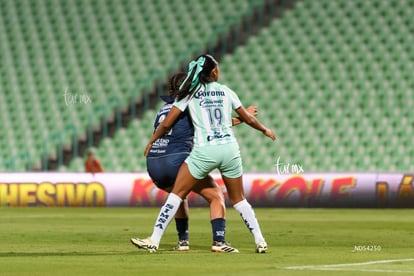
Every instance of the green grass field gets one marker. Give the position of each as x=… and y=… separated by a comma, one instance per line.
x=95, y=241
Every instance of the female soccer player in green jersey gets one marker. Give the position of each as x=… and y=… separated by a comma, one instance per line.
x=215, y=147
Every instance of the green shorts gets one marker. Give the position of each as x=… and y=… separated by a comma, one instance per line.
x=226, y=158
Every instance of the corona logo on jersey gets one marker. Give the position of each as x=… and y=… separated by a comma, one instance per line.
x=202, y=94
x=266, y=190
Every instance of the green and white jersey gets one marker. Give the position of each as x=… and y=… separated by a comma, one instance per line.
x=211, y=112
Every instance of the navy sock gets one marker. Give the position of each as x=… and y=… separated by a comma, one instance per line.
x=182, y=228
x=219, y=229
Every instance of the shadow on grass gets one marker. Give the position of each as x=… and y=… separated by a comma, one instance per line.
x=64, y=254
x=130, y=250
x=165, y=250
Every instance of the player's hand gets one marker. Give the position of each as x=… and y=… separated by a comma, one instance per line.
x=147, y=149
x=269, y=133
x=252, y=110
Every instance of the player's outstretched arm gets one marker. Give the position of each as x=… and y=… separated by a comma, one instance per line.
x=163, y=127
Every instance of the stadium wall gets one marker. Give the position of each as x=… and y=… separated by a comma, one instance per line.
x=336, y=190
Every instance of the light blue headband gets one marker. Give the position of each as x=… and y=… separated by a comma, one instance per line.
x=199, y=63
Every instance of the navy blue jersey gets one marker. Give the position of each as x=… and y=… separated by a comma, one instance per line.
x=179, y=139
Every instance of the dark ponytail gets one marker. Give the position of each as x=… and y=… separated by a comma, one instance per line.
x=175, y=83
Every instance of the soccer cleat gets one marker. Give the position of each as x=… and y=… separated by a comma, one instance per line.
x=183, y=245
x=223, y=247
x=261, y=247
x=146, y=244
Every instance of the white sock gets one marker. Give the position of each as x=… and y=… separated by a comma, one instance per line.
x=167, y=213
x=247, y=213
